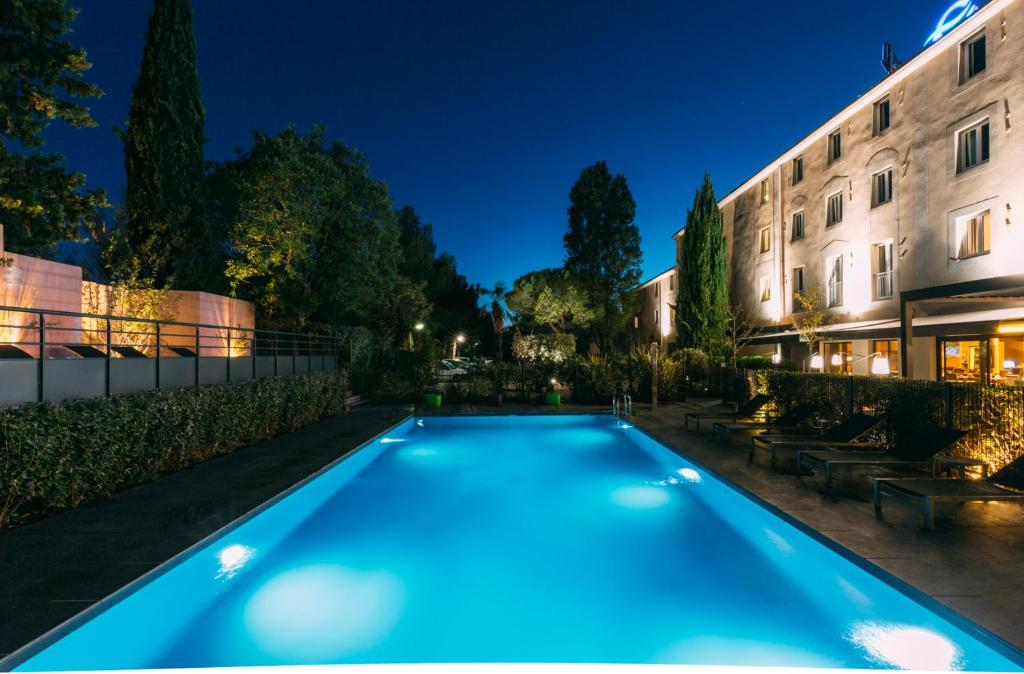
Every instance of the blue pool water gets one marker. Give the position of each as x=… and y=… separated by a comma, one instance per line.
x=522, y=539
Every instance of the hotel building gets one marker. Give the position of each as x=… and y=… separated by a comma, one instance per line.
x=905, y=211
x=655, y=319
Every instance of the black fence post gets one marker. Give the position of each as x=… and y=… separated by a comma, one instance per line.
x=252, y=348
x=948, y=404
x=198, y=347
x=849, y=397
x=41, y=391
x=227, y=355
x=158, y=355
x=106, y=386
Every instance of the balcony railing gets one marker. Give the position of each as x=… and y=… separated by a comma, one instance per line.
x=883, y=285
x=835, y=293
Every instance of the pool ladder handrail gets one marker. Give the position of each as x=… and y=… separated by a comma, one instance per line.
x=627, y=405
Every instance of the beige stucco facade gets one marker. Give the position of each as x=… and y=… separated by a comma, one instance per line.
x=918, y=184
x=654, y=320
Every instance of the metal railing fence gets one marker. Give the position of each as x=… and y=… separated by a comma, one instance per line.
x=65, y=354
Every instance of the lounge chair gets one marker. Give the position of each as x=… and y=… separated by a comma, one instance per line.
x=747, y=410
x=845, y=434
x=924, y=493
x=913, y=452
x=792, y=420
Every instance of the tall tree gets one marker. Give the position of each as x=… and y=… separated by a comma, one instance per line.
x=497, y=315
x=550, y=299
x=603, y=245
x=702, y=302
x=163, y=155
x=41, y=72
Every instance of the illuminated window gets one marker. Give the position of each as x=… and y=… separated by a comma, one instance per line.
x=972, y=57
x=835, y=146
x=798, y=287
x=765, y=238
x=636, y=322
x=881, y=188
x=798, y=170
x=798, y=226
x=972, y=147
x=835, y=281
x=961, y=360
x=881, y=123
x=834, y=210
x=1006, y=360
x=839, y=357
x=884, y=274
x=765, y=191
x=972, y=236
x=766, y=289
x=890, y=350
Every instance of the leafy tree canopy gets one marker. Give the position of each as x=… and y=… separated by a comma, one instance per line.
x=602, y=245
x=552, y=299
x=41, y=73
x=702, y=300
x=312, y=236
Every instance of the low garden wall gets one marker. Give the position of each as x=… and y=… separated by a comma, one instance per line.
x=993, y=414
x=55, y=456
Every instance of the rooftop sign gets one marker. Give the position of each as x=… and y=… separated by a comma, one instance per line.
x=957, y=13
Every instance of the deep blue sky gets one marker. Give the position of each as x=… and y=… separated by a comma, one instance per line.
x=481, y=115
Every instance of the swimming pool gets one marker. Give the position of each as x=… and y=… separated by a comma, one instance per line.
x=515, y=539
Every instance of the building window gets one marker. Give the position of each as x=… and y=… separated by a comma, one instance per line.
x=835, y=281
x=973, y=236
x=835, y=146
x=798, y=226
x=881, y=188
x=1006, y=360
x=890, y=350
x=798, y=170
x=961, y=360
x=881, y=123
x=657, y=290
x=765, y=237
x=798, y=288
x=834, y=210
x=839, y=357
x=972, y=57
x=671, y=282
x=765, y=191
x=766, y=289
x=972, y=147
x=657, y=317
x=636, y=322
x=884, y=274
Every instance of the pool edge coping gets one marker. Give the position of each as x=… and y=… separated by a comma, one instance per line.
x=1002, y=646
x=29, y=650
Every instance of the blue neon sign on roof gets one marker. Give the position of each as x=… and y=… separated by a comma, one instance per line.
x=957, y=13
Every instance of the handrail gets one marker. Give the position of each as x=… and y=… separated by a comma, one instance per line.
x=75, y=314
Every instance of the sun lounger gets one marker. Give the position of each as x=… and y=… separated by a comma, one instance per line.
x=925, y=493
x=845, y=434
x=790, y=421
x=746, y=411
x=913, y=452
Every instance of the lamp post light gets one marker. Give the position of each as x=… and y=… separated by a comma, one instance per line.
x=817, y=361
x=459, y=339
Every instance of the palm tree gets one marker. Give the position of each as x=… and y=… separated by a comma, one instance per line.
x=497, y=314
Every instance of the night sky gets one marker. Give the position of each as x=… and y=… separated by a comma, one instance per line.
x=481, y=115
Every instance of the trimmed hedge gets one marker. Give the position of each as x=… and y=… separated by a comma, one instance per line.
x=55, y=456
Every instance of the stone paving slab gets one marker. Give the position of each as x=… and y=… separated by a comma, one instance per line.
x=57, y=567
x=973, y=562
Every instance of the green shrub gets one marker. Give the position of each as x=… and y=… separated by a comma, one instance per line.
x=55, y=456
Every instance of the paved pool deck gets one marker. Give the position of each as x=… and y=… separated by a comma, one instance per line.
x=57, y=567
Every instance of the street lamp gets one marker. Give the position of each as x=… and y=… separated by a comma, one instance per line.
x=459, y=339
x=817, y=361
x=419, y=327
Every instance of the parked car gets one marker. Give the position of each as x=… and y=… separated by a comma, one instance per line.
x=448, y=369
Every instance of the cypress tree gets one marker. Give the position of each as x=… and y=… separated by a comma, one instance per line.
x=702, y=302
x=163, y=155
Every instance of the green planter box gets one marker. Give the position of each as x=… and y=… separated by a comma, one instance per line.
x=432, y=400
x=554, y=399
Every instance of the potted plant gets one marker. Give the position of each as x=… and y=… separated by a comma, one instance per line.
x=552, y=397
x=432, y=398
